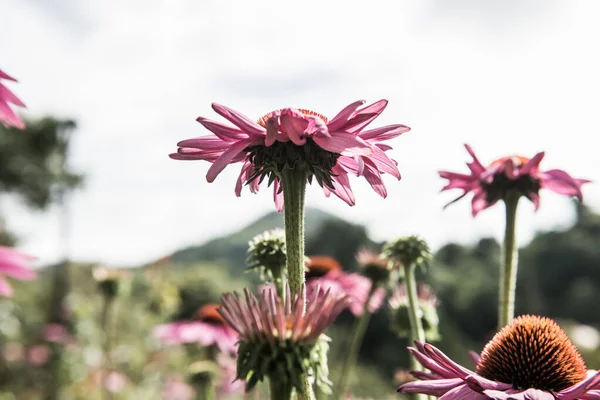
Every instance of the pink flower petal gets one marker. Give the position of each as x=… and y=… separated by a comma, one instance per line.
x=5, y=289
x=364, y=116
x=226, y=158
x=9, y=97
x=346, y=144
x=432, y=388
x=475, y=166
x=371, y=174
x=562, y=183
x=342, y=117
x=16, y=270
x=295, y=125
x=222, y=131
x=239, y=120
x=383, y=163
x=384, y=133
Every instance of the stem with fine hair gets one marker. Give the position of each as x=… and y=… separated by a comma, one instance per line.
x=358, y=334
x=105, y=322
x=508, y=263
x=279, y=390
x=293, y=183
x=414, y=317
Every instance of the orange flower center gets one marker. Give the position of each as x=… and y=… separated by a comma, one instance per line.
x=263, y=120
x=208, y=313
x=532, y=352
x=517, y=160
x=321, y=265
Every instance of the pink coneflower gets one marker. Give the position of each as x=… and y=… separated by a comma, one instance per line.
x=530, y=359
x=327, y=273
x=278, y=340
x=300, y=139
x=15, y=265
x=510, y=174
x=56, y=333
x=208, y=329
x=8, y=118
x=175, y=388
x=227, y=383
x=38, y=355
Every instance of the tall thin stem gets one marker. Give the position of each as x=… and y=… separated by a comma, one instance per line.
x=358, y=335
x=414, y=316
x=508, y=264
x=105, y=322
x=293, y=182
x=279, y=390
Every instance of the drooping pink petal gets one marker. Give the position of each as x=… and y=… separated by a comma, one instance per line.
x=372, y=175
x=9, y=96
x=383, y=163
x=239, y=120
x=562, y=183
x=277, y=196
x=205, y=143
x=344, y=143
x=8, y=117
x=225, y=159
x=529, y=394
x=480, y=203
x=341, y=185
x=16, y=270
x=5, y=289
x=590, y=383
x=432, y=388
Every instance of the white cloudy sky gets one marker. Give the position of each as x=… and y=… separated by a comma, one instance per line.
x=512, y=76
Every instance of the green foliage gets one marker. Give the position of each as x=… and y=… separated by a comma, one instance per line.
x=33, y=161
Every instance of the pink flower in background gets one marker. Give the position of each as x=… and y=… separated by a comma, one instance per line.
x=176, y=389
x=57, y=333
x=38, y=355
x=529, y=359
x=513, y=173
x=8, y=118
x=336, y=147
x=209, y=329
x=326, y=272
x=15, y=265
x=227, y=383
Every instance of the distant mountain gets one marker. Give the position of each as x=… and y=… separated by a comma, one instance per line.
x=232, y=248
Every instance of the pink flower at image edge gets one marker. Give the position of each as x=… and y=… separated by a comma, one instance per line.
x=15, y=265
x=8, y=117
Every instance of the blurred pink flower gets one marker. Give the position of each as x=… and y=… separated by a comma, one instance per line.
x=57, y=333
x=209, y=329
x=8, y=118
x=490, y=184
x=326, y=272
x=227, y=383
x=176, y=389
x=13, y=264
x=357, y=151
x=38, y=355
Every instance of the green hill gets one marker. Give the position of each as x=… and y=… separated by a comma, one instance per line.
x=231, y=249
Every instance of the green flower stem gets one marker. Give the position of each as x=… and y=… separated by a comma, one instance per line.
x=279, y=282
x=293, y=182
x=414, y=316
x=207, y=390
x=358, y=334
x=105, y=323
x=279, y=390
x=508, y=264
